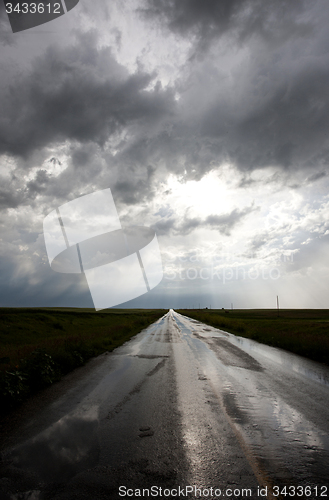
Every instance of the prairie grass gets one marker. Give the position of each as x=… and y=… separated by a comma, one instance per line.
x=301, y=331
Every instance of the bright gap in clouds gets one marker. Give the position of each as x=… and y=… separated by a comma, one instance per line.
x=271, y=248
x=201, y=198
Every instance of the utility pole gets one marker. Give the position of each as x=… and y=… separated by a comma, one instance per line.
x=277, y=303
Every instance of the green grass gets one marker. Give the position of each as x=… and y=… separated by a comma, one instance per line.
x=301, y=331
x=39, y=345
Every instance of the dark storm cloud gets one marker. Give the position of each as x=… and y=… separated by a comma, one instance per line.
x=290, y=130
x=39, y=183
x=271, y=108
x=278, y=118
x=12, y=192
x=210, y=19
x=16, y=191
x=78, y=93
x=164, y=226
x=225, y=222
x=286, y=129
x=132, y=190
x=315, y=177
x=8, y=199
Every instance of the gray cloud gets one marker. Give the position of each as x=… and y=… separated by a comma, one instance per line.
x=316, y=176
x=165, y=226
x=269, y=115
x=226, y=222
x=11, y=192
x=259, y=240
x=131, y=191
x=208, y=20
x=290, y=130
x=78, y=93
x=271, y=109
x=278, y=116
x=223, y=223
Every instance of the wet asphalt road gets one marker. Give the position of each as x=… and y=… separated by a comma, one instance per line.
x=180, y=405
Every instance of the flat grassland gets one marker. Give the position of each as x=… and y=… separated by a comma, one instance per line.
x=301, y=331
x=39, y=345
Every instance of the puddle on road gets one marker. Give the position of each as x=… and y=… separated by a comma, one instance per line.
x=283, y=433
x=61, y=451
x=136, y=345
x=157, y=332
x=71, y=444
x=284, y=442
x=288, y=361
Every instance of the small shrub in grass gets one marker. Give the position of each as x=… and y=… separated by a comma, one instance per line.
x=239, y=328
x=58, y=326
x=40, y=369
x=33, y=373
x=67, y=360
x=13, y=388
x=64, y=360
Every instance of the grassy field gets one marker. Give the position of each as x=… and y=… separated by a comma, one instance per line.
x=302, y=331
x=39, y=345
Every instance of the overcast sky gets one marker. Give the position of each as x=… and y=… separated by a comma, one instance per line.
x=209, y=121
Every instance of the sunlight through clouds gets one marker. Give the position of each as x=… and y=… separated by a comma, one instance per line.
x=208, y=125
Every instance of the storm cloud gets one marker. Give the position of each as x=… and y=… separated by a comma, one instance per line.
x=207, y=119
x=81, y=94
x=223, y=223
x=211, y=19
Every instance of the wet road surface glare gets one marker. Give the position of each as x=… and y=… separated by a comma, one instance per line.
x=182, y=404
